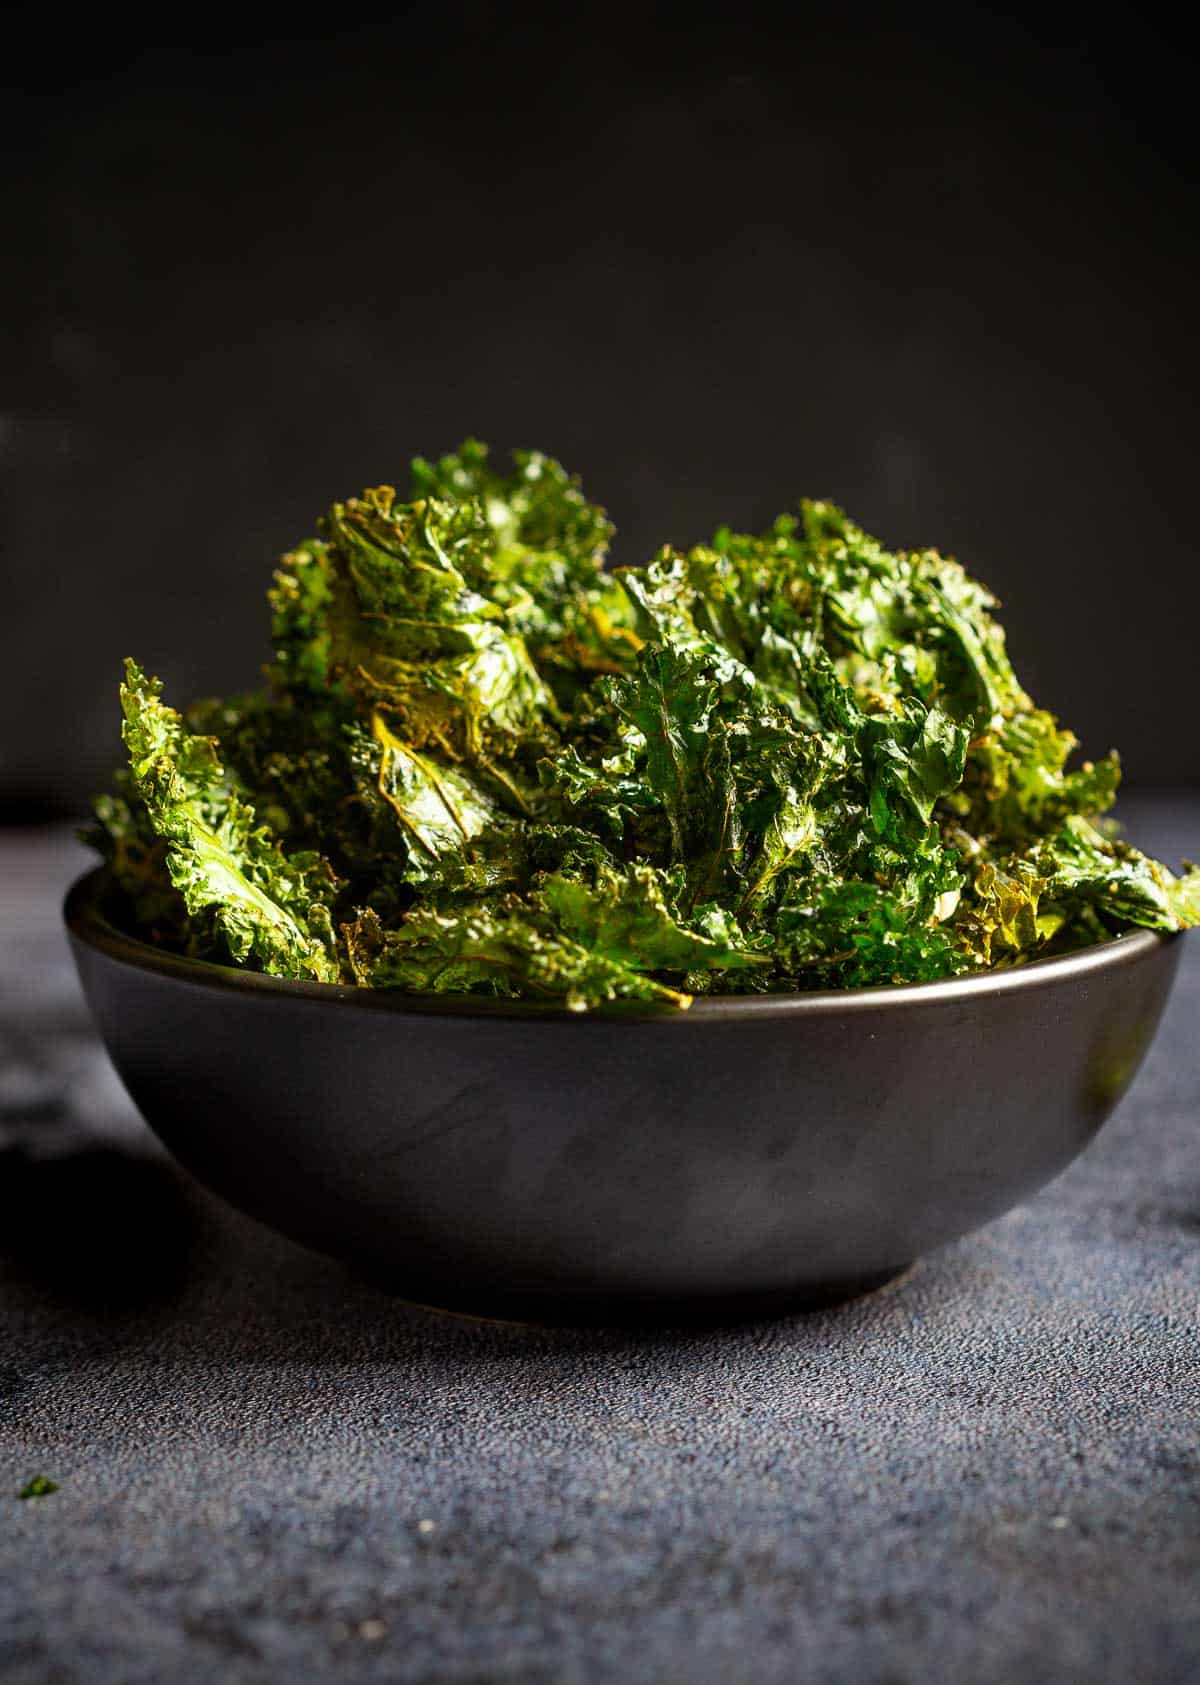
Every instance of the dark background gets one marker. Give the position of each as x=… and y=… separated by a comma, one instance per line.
x=947, y=278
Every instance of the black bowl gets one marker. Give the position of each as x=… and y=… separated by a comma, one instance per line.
x=512, y=1158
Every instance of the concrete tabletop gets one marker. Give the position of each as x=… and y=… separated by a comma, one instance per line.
x=268, y=1470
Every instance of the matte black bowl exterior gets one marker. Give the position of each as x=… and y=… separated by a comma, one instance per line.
x=512, y=1158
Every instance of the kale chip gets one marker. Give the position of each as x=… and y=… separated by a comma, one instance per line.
x=484, y=764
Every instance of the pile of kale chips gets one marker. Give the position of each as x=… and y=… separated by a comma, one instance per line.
x=483, y=764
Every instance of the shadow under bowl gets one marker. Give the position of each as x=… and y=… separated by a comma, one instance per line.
x=749, y=1156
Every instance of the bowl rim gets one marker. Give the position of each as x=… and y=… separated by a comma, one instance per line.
x=87, y=924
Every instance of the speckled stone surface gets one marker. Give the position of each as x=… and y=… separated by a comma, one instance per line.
x=267, y=1470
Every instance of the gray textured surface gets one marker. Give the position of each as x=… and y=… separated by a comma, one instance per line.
x=269, y=1471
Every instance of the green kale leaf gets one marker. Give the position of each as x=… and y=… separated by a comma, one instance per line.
x=41, y=1486
x=265, y=903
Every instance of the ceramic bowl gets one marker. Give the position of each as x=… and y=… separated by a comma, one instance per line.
x=748, y=1156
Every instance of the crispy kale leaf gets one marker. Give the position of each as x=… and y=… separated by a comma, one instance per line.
x=781, y=761
x=264, y=903
x=387, y=610
x=545, y=562
x=40, y=1486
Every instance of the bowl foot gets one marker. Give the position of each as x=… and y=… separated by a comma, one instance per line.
x=576, y=1310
